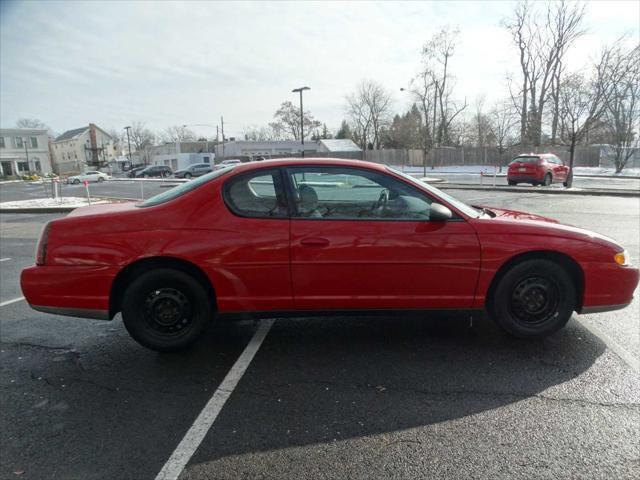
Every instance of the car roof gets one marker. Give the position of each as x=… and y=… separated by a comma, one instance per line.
x=307, y=162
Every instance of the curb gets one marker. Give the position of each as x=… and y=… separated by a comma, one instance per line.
x=62, y=208
x=589, y=192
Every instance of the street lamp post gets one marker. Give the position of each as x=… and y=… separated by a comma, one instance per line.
x=300, y=90
x=127, y=128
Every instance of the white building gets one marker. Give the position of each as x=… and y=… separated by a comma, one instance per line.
x=179, y=155
x=24, y=151
x=82, y=148
x=277, y=148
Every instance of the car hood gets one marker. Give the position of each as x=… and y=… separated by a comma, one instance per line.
x=516, y=215
x=515, y=222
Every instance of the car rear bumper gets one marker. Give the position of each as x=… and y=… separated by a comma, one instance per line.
x=79, y=291
x=533, y=177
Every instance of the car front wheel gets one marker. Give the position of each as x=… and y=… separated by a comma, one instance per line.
x=166, y=310
x=187, y=175
x=512, y=183
x=533, y=299
x=100, y=179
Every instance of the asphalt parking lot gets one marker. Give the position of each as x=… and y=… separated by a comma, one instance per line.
x=383, y=397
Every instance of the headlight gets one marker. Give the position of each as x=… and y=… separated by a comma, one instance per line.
x=622, y=258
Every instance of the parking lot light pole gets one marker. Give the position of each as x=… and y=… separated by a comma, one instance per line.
x=127, y=128
x=300, y=90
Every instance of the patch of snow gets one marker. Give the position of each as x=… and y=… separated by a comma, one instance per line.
x=490, y=169
x=71, y=202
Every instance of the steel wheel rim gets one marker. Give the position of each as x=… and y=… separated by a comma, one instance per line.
x=534, y=300
x=168, y=311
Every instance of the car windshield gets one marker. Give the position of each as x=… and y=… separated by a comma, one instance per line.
x=183, y=188
x=463, y=207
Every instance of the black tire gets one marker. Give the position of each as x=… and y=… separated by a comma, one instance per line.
x=146, y=175
x=512, y=183
x=533, y=299
x=547, y=180
x=166, y=310
x=187, y=175
x=76, y=181
x=100, y=179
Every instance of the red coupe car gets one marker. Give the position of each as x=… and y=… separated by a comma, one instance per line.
x=537, y=169
x=317, y=236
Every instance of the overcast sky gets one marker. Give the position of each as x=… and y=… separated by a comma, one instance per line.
x=162, y=63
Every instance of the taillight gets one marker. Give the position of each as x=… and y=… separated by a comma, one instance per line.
x=41, y=249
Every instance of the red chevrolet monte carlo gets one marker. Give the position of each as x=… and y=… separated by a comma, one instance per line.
x=317, y=236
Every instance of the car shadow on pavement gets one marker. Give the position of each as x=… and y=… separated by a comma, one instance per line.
x=316, y=381
x=82, y=400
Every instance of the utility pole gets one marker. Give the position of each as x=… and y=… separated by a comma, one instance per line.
x=26, y=152
x=300, y=90
x=222, y=124
x=129, y=145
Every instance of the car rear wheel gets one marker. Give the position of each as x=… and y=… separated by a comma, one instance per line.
x=146, y=175
x=76, y=181
x=512, y=183
x=166, y=310
x=100, y=179
x=533, y=299
x=547, y=180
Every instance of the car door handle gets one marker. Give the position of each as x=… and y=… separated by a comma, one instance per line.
x=314, y=242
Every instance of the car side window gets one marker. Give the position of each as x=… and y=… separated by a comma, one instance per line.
x=355, y=194
x=257, y=194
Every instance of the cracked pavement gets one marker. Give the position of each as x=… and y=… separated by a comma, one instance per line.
x=384, y=397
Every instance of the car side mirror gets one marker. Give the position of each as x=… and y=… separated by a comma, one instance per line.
x=439, y=213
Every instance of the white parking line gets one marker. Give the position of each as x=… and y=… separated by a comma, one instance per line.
x=4, y=259
x=193, y=438
x=9, y=302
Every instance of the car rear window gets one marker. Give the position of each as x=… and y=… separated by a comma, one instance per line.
x=181, y=189
x=526, y=160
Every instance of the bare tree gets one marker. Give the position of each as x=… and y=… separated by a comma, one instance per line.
x=142, y=138
x=31, y=123
x=287, y=121
x=622, y=102
x=436, y=58
x=542, y=40
x=177, y=133
x=360, y=115
x=582, y=104
x=262, y=134
x=504, y=119
x=424, y=89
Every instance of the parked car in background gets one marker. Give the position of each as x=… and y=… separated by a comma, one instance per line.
x=226, y=163
x=90, y=176
x=194, y=170
x=537, y=169
x=132, y=173
x=317, y=236
x=154, y=171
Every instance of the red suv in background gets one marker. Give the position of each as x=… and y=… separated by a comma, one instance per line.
x=537, y=169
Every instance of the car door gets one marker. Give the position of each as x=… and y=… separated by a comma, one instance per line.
x=253, y=244
x=362, y=239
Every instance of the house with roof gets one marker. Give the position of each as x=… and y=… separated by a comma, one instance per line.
x=333, y=145
x=82, y=148
x=24, y=151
